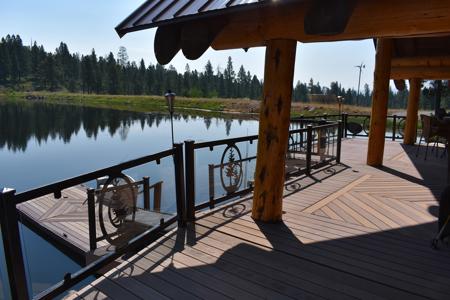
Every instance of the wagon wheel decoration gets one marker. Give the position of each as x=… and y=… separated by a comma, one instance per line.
x=366, y=125
x=401, y=127
x=231, y=171
x=117, y=208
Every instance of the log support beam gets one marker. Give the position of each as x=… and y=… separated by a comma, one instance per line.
x=412, y=111
x=379, y=102
x=434, y=73
x=273, y=130
x=369, y=19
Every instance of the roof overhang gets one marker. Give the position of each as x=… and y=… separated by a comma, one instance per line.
x=424, y=58
x=195, y=25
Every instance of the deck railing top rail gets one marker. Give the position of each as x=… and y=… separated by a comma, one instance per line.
x=57, y=187
x=312, y=138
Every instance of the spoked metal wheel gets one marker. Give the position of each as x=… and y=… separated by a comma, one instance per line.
x=117, y=207
x=366, y=125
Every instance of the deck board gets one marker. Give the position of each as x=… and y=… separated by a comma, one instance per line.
x=353, y=232
x=64, y=222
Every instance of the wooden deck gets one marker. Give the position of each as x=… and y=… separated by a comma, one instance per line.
x=348, y=232
x=64, y=223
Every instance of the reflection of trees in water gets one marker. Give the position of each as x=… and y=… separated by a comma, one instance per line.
x=207, y=122
x=19, y=122
x=228, y=126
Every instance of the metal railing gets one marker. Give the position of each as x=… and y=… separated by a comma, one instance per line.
x=358, y=124
x=9, y=217
x=313, y=142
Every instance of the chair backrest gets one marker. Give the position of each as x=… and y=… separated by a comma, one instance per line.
x=428, y=130
x=441, y=113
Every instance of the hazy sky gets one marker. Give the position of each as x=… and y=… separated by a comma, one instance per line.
x=87, y=24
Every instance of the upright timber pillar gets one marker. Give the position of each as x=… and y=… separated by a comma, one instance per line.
x=379, y=102
x=274, y=119
x=412, y=111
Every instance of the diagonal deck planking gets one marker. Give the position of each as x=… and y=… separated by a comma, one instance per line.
x=64, y=222
x=347, y=232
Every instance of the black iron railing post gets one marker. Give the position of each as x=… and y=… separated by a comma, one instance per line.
x=308, y=148
x=211, y=185
x=12, y=246
x=302, y=125
x=146, y=192
x=344, y=125
x=91, y=220
x=179, y=183
x=339, y=142
x=394, y=127
x=190, y=180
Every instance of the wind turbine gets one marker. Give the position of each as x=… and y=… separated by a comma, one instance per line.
x=360, y=67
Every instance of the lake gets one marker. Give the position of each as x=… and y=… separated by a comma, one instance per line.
x=41, y=143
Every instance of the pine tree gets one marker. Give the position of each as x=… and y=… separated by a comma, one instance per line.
x=241, y=83
x=229, y=77
x=112, y=76
x=122, y=56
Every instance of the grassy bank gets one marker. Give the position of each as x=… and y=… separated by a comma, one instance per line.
x=198, y=106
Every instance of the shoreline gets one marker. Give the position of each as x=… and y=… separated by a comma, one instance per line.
x=212, y=107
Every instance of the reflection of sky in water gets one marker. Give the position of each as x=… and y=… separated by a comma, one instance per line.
x=41, y=143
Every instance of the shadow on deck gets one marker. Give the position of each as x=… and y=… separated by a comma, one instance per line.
x=352, y=232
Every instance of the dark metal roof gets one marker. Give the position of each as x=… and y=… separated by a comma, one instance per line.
x=157, y=12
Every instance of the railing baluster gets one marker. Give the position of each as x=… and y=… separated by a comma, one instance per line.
x=394, y=126
x=179, y=183
x=339, y=141
x=343, y=124
x=157, y=196
x=91, y=220
x=190, y=180
x=146, y=192
x=211, y=185
x=308, y=149
x=12, y=246
x=302, y=125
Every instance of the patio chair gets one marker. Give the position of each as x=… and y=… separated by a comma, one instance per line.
x=429, y=134
x=441, y=113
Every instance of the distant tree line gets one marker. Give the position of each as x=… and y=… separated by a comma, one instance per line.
x=397, y=99
x=73, y=72
x=33, y=68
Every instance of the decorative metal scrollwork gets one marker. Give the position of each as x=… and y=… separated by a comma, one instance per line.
x=231, y=169
x=117, y=208
x=366, y=125
x=354, y=128
x=401, y=127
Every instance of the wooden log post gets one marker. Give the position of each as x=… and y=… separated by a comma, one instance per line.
x=412, y=111
x=274, y=122
x=380, y=97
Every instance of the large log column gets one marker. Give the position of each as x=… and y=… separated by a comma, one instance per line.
x=412, y=111
x=380, y=98
x=274, y=119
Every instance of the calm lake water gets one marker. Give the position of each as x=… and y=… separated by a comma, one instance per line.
x=42, y=143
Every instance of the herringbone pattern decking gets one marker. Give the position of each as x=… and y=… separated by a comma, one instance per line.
x=348, y=232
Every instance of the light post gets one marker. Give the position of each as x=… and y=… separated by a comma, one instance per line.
x=360, y=67
x=340, y=101
x=170, y=101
